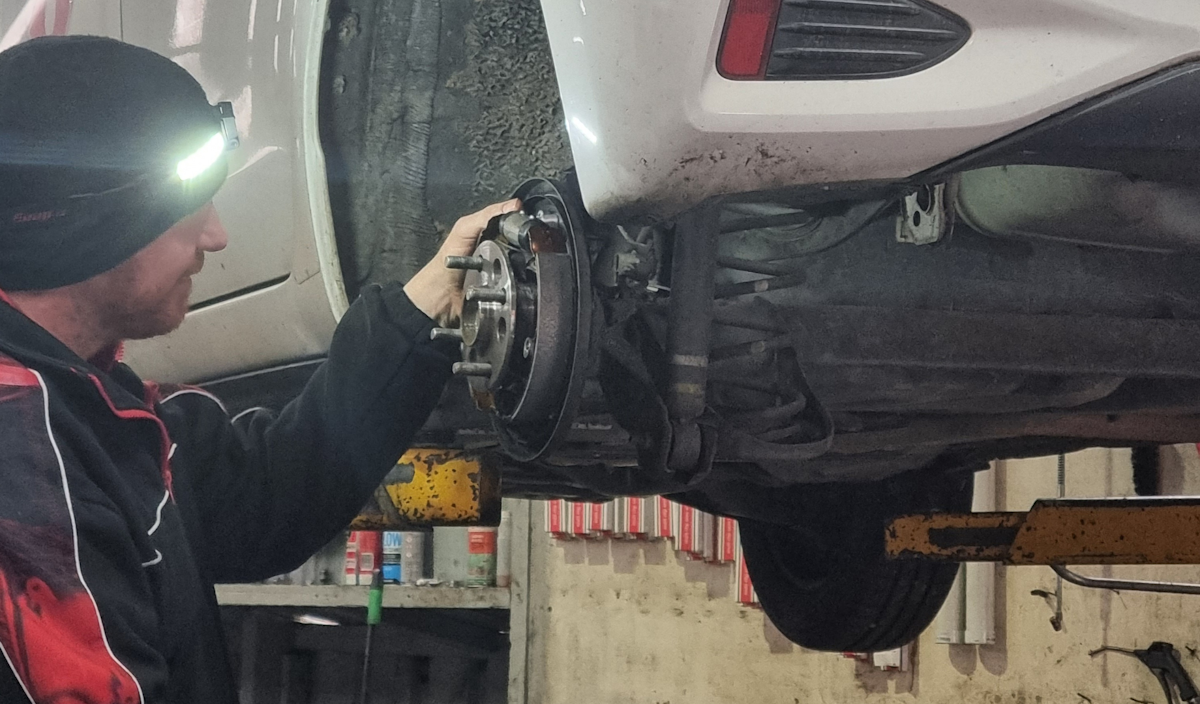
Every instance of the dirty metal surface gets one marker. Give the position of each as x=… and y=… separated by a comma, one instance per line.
x=435, y=487
x=1155, y=531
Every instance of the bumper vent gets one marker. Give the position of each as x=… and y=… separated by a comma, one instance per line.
x=855, y=39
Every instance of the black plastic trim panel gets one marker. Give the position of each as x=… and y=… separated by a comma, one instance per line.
x=858, y=39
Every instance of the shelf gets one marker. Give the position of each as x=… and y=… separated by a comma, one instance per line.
x=394, y=596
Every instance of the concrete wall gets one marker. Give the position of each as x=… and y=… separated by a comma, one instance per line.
x=631, y=622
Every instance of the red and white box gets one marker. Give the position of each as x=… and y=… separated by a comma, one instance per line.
x=350, y=569
x=632, y=518
x=638, y=520
x=370, y=554
x=727, y=539
x=662, y=517
x=579, y=518
x=601, y=520
x=745, y=588
x=708, y=537
x=676, y=526
x=689, y=531
x=558, y=521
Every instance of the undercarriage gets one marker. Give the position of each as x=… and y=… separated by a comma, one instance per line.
x=766, y=346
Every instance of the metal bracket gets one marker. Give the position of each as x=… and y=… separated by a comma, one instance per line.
x=926, y=217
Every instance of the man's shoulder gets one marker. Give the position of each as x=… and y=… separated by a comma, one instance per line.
x=14, y=374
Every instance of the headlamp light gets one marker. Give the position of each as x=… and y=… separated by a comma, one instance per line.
x=226, y=140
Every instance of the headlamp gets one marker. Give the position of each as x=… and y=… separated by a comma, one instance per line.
x=224, y=111
x=226, y=140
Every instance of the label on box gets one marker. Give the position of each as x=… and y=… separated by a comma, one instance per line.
x=370, y=554
x=481, y=557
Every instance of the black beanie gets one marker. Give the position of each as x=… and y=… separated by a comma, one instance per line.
x=91, y=131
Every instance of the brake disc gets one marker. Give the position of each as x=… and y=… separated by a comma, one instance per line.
x=525, y=321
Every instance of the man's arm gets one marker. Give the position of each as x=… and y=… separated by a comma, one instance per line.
x=270, y=489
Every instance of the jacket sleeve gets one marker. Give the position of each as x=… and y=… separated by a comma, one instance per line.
x=266, y=490
x=77, y=613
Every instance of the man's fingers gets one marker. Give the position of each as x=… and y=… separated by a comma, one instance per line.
x=480, y=219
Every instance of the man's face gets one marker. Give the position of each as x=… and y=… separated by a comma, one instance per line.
x=147, y=295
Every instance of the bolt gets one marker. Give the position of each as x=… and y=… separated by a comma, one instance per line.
x=472, y=369
x=528, y=348
x=486, y=295
x=476, y=263
x=445, y=334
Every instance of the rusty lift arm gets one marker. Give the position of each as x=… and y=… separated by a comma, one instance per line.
x=1061, y=532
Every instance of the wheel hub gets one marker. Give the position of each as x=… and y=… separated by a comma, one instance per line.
x=522, y=332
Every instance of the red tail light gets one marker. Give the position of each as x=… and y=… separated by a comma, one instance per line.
x=746, y=43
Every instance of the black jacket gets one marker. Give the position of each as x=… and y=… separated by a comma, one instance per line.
x=122, y=503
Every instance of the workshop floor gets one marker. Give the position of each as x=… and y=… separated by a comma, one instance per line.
x=632, y=622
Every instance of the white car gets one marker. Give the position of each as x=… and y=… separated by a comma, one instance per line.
x=809, y=263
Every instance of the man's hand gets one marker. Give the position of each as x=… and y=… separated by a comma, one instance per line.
x=436, y=290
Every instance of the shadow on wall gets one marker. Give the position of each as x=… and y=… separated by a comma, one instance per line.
x=624, y=556
x=776, y=641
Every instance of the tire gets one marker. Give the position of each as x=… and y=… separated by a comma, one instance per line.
x=430, y=109
x=825, y=582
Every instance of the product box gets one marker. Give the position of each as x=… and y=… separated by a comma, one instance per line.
x=370, y=554
x=481, y=557
x=688, y=534
x=639, y=516
x=579, y=519
x=557, y=518
x=633, y=521
x=393, y=547
x=350, y=569
x=708, y=537
x=727, y=539
x=412, y=556
x=601, y=520
x=892, y=660
x=662, y=517
x=745, y=588
x=676, y=526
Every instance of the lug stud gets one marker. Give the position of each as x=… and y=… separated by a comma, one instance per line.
x=445, y=334
x=472, y=369
x=474, y=263
x=486, y=295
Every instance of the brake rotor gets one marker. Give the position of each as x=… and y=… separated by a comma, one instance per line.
x=525, y=321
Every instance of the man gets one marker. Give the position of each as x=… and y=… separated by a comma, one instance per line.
x=121, y=502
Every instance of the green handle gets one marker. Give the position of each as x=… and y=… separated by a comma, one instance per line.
x=375, y=599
